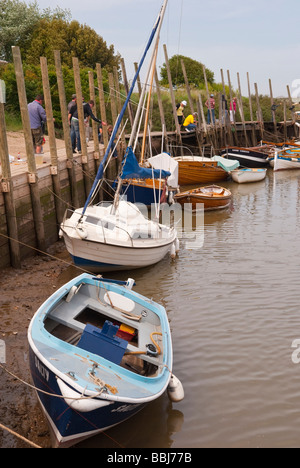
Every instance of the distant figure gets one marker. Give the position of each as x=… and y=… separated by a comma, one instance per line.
x=211, y=104
x=190, y=122
x=233, y=109
x=180, y=108
x=37, y=116
x=74, y=122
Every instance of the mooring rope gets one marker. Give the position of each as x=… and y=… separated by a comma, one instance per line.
x=4, y=428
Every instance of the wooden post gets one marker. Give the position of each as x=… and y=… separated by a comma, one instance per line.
x=66, y=129
x=188, y=90
x=273, y=110
x=119, y=107
x=79, y=101
x=292, y=109
x=284, y=114
x=103, y=117
x=102, y=106
x=228, y=132
x=233, y=113
x=240, y=101
x=136, y=67
x=32, y=176
x=112, y=168
x=130, y=111
x=251, y=112
x=8, y=195
x=259, y=112
x=95, y=125
x=52, y=142
x=161, y=111
x=177, y=126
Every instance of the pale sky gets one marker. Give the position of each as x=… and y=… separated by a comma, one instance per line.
x=261, y=37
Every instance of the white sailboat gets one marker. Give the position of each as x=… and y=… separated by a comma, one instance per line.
x=119, y=237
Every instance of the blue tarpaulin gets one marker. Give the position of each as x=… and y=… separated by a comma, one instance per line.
x=132, y=170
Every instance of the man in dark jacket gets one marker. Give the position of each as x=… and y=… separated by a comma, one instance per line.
x=74, y=122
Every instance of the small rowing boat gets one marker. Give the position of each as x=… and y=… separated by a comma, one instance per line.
x=212, y=197
x=247, y=175
x=98, y=352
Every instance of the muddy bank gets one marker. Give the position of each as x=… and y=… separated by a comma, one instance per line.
x=21, y=293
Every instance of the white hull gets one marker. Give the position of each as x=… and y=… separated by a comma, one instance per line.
x=284, y=164
x=111, y=244
x=244, y=176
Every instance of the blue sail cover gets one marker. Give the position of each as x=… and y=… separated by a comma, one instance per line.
x=132, y=170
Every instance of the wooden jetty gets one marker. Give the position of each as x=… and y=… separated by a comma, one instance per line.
x=34, y=196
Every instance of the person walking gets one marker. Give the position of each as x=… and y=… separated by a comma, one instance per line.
x=211, y=104
x=37, y=117
x=74, y=122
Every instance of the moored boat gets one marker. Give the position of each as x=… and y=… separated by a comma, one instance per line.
x=212, y=197
x=248, y=175
x=99, y=352
x=248, y=157
x=118, y=237
x=285, y=160
x=106, y=238
x=197, y=169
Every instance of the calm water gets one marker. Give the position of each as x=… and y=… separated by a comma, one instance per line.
x=234, y=312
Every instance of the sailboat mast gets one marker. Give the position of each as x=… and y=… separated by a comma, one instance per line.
x=99, y=175
x=148, y=106
x=135, y=123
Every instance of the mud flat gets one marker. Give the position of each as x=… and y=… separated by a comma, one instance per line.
x=22, y=292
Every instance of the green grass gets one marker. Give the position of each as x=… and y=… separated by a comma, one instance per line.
x=13, y=122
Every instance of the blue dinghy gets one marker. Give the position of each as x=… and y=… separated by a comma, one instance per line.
x=99, y=352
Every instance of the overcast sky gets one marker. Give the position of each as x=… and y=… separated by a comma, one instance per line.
x=261, y=37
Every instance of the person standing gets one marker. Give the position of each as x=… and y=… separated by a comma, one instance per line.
x=72, y=102
x=211, y=104
x=180, y=109
x=74, y=122
x=233, y=109
x=37, y=117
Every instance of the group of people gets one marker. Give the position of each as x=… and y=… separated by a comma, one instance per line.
x=74, y=121
x=38, y=118
x=189, y=123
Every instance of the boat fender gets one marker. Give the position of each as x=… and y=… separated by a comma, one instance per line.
x=74, y=290
x=79, y=402
x=151, y=350
x=175, y=389
x=173, y=250
x=130, y=283
x=81, y=232
x=177, y=245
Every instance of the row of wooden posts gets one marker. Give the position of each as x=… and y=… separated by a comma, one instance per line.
x=210, y=132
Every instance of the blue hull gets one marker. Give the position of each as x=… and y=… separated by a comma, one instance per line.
x=68, y=426
x=144, y=195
